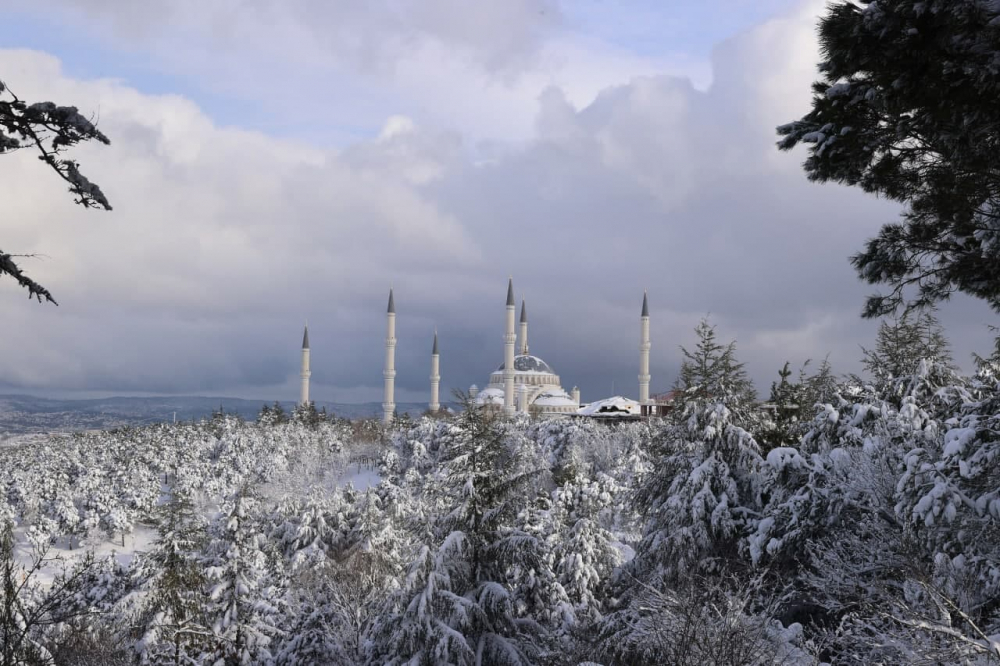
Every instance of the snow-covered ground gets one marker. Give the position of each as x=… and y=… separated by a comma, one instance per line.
x=359, y=476
x=61, y=555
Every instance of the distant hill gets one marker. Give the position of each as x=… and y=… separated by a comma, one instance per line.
x=28, y=414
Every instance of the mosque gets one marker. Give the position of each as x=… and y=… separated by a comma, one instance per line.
x=522, y=383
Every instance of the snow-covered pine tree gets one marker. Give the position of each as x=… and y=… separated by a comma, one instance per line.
x=903, y=345
x=307, y=415
x=243, y=596
x=363, y=575
x=784, y=407
x=171, y=615
x=586, y=557
x=948, y=500
x=705, y=485
x=906, y=109
x=454, y=606
x=703, y=495
x=314, y=629
x=711, y=373
x=818, y=388
x=51, y=129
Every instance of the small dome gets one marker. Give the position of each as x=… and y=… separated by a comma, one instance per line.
x=529, y=363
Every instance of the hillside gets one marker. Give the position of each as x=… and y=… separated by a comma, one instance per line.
x=22, y=414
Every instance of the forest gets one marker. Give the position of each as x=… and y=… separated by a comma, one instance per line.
x=842, y=520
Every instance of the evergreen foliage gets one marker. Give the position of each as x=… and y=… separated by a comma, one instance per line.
x=171, y=614
x=455, y=605
x=871, y=537
x=906, y=109
x=51, y=130
x=711, y=374
x=242, y=587
x=902, y=346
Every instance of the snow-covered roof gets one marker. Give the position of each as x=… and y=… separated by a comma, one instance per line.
x=490, y=395
x=613, y=405
x=554, y=399
x=529, y=363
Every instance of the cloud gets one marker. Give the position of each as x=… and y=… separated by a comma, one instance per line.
x=224, y=240
x=333, y=71
x=500, y=35
x=217, y=236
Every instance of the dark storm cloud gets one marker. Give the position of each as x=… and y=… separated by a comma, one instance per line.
x=223, y=241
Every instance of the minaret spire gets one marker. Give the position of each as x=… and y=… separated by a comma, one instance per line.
x=435, y=404
x=304, y=392
x=524, y=330
x=388, y=404
x=508, y=352
x=644, y=346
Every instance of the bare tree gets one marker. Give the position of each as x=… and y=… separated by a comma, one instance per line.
x=27, y=607
x=703, y=621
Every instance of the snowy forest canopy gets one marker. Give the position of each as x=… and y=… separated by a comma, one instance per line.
x=844, y=521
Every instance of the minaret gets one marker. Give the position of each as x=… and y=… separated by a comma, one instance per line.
x=388, y=404
x=304, y=394
x=508, y=352
x=434, y=406
x=524, y=330
x=644, y=352
x=576, y=396
x=522, y=398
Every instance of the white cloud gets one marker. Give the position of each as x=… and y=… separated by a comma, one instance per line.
x=312, y=65
x=219, y=227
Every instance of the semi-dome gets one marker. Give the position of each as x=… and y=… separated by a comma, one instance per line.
x=528, y=363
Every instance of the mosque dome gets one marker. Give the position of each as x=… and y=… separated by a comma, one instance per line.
x=540, y=383
x=529, y=363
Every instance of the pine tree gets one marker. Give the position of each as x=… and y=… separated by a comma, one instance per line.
x=51, y=129
x=243, y=600
x=818, y=388
x=265, y=416
x=174, y=627
x=906, y=109
x=454, y=606
x=911, y=345
x=712, y=374
x=988, y=367
x=307, y=415
x=786, y=405
x=702, y=497
x=278, y=413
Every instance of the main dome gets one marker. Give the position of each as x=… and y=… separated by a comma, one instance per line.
x=528, y=363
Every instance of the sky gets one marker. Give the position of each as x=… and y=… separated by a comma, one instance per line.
x=274, y=162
